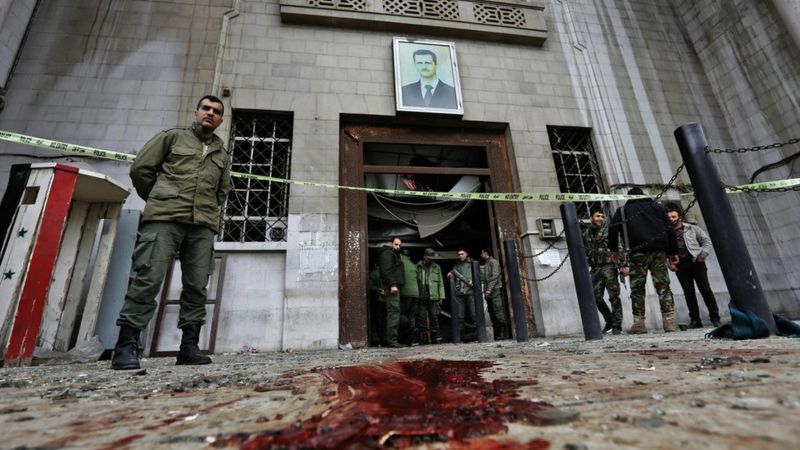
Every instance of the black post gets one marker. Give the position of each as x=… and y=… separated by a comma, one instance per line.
x=580, y=273
x=734, y=259
x=477, y=297
x=455, y=313
x=515, y=288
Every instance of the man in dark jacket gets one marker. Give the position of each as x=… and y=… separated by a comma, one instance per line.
x=183, y=175
x=651, y=238
x=392, y=278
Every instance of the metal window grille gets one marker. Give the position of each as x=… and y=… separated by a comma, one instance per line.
x=257, y=210
x=576, y=164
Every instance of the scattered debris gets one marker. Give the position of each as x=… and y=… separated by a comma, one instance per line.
x=347, y=346
x=652, y=421
x=697, y=403
x=248, y=350
x=651, y=368
x=657, y=395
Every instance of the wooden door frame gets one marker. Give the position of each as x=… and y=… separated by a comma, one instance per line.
x=353, y=239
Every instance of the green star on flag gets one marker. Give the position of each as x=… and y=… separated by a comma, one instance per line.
x=7, y=275
x=22, y=232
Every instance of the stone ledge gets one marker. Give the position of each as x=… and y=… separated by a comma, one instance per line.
x=529, y=19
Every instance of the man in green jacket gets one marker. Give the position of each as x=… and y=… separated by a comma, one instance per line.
x=183, y=174
x=392, y=279
x=409, y=296
x=493, y=292
x=462, y=271
x=431, y=293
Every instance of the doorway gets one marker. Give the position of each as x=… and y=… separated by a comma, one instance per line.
x=404, y=158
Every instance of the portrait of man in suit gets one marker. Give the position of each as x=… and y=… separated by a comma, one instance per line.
x=426, y=77
x=429, y=91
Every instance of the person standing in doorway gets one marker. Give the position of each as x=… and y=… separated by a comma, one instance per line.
x=605, y=275
x=652, y=241
x=392, y=278
x=378, y=303
x=429, y=91
x=431, y=294
x=183, y=175
x=462, y=271
x=694, y=246
x=493, y=292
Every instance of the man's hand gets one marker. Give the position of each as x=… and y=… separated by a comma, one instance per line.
x=469, y=282
x=487, y=292
x=625, y=271
x=449, y=274
x=700, y=258
x=674, y=259
x=393, y=290
x=382, y=292
x=615, y=256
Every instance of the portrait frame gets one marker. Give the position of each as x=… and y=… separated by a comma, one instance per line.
x=408, y=77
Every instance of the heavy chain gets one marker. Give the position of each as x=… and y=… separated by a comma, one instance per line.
x=560, y=265
x=549, y=246
x=757, y=148
x=748, y=190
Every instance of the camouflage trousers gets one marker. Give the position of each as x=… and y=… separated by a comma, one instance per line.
x=606, y=278
x=656, y=264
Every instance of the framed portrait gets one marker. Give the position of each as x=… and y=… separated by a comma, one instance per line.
x=426, y=77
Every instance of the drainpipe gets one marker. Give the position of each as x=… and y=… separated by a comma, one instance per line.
x=223, y=40
x=789, y=12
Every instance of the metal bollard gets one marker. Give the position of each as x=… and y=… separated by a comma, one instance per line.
x=734, y=259
x=455, y=313
x=515, y=288
x=477, y=297
x=580, y=273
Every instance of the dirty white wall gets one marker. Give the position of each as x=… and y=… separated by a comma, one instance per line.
x=14, y=18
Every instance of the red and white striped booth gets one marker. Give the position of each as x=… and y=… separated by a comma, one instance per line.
x=46, y=297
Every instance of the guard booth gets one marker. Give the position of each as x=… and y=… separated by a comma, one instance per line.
x=49, y=294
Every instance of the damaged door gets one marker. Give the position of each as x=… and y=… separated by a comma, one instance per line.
x=405, y=158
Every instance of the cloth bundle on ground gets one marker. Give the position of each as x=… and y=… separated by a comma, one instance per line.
x=747, y=325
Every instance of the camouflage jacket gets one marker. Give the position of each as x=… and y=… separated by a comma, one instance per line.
x=595, y=239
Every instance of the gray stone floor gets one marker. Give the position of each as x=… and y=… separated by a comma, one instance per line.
x=651, y=391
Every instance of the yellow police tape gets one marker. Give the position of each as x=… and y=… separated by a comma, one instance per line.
x=80, y=150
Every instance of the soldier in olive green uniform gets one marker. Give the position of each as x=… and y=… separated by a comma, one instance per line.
x=431, y=293
x=463, y=295
x=605, y=275
x=392, y=279
x=183, y=174
x=409, y=296
x=493, y=291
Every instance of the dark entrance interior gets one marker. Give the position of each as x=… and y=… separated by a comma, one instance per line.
x=422, y=222
x=442, y=157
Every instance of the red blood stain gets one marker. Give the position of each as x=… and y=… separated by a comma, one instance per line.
x=407, y=403
x=122, y=443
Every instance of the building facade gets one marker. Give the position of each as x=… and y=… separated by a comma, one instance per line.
x=557, y=96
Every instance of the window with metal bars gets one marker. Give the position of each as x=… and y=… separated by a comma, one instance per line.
x=257, y=210
x=576, y=164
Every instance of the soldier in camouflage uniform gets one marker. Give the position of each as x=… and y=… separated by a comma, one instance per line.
x=605, y=274
x=652, y=240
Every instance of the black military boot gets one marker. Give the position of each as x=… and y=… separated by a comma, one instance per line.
x=126, y=352
x=189, y=353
